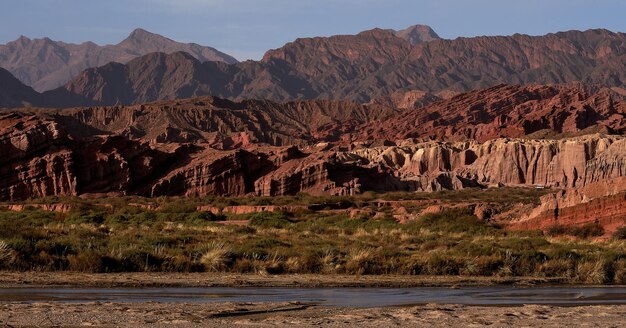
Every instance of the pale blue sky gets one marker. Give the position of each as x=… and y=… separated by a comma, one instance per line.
x=247, y=28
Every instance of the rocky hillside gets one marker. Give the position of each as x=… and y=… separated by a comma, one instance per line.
x=532, y=111
x=508, y=111
x=211, y=145
x=45, y=64
x=220, y=123
x=43, y=155
x=15, y=94
x=417, y=34
x=368, y=66
x=601, y=203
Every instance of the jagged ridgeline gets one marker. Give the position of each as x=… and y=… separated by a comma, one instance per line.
x=381, y=66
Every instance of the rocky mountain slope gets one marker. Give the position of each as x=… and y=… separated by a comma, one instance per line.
x=508, y=111
x=417, y=34
x=340, y=147
x=45, y=64
x=531, y=111
x=42, y=156
x=372, y=65
x=13, y=93
x=601, y=203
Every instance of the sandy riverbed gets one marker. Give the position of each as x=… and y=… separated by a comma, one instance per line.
x=46, y=314
x=229, y=314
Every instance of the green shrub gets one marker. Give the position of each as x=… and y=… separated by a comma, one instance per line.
x=276, y=220
x=177, y=207
x=88, y=218
x=620, y=233
x=201, y=218
x=585, y=231
x=452, y=221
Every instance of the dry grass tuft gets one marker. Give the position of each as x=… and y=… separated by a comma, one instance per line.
x=506, y=270
x=215, y=256
x=620, y=272
x=359, y=260
x=590, y=273
x=6, y=253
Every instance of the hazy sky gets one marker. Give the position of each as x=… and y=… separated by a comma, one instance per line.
x=247, y=28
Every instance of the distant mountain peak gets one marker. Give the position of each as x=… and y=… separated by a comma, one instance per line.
x=140, y=35
x=45, y=64
x=142, y=41
x=417, y=34
x=139, y=30
x=377, y=32
x=21, y=41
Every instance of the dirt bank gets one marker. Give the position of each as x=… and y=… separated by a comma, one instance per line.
x=72, y=279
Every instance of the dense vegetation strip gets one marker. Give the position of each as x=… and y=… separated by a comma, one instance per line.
x=119, y=235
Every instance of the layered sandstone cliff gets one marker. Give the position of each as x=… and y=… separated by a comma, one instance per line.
x=602, y=203
x=33, y=161
x=212, y=146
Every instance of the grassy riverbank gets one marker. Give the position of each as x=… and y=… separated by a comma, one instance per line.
x=116, y=235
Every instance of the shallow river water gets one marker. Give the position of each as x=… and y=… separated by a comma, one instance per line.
x=352, y=297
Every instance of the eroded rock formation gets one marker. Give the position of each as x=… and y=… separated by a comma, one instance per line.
x=602, y=203
x=40, y=157
x=507, y=111
x=211, y=146
x=561, y=163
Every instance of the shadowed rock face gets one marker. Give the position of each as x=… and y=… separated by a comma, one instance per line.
x=369, y=66
x=188, y=147
x=45, y=64
x=40, y=159
x=13, y=93
x=502, y=111
x=220, y=123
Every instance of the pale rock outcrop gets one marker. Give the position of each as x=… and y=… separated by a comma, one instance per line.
x=563, y=163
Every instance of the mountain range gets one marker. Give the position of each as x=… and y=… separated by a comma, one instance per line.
x=372, y=66
x=45, y=64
